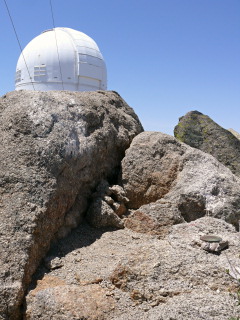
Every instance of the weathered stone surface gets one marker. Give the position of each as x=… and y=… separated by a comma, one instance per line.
x=157, y=166
x=150, y=167
x=201, y=132
x=55, y=148
x=101, y=214
x=141, y=277
x=154, y=218
x=235, y=133
x=54, y=299
x=108, y=206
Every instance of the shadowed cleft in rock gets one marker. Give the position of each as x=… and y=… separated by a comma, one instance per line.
x=55, y=148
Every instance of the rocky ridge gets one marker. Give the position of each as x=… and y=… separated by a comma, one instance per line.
x=144, y=255
x=201, y=132
x=235, y=133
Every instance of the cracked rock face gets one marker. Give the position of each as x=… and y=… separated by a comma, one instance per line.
x=168, y=182
x=55, y=148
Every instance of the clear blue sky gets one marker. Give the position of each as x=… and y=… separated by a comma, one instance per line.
x=164, y=57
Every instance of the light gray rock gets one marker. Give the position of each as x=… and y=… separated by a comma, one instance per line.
x=137, y=276
x=55, y=148
x=53, y=263
x=157, y=166
x=215, y=246
x=150, y=167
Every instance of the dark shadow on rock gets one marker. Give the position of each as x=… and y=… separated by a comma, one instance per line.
x=192, y=207
x=83, y=236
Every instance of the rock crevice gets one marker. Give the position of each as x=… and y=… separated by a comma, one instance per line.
x=55, y=148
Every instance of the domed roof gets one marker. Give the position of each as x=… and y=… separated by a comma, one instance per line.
x=61, y=59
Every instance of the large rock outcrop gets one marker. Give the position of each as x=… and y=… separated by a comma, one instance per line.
x=201, y=132
x=55, y=148
x=167, y=182
x=127, y=275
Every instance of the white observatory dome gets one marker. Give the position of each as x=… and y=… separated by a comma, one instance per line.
x=61, y=59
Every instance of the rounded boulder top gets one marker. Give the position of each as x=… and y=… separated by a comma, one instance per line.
x=61, y=59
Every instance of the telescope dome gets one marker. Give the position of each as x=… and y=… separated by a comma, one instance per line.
x=61, y=59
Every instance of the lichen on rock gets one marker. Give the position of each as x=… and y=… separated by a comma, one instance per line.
x=201, y=132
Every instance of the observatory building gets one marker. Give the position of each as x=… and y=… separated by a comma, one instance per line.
x=61, y=59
